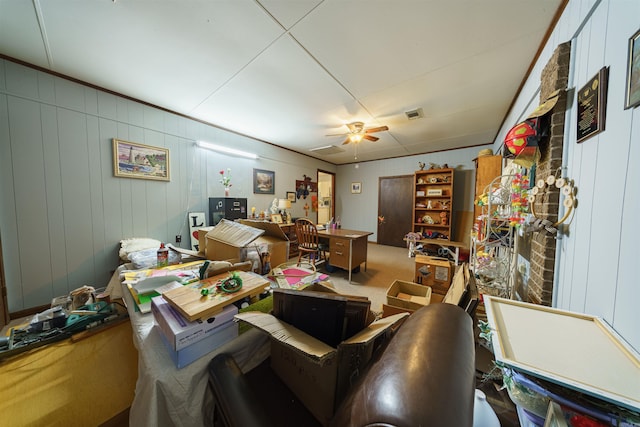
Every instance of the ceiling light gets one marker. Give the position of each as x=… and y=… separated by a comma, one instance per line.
x=355, y=137
x=226, y=150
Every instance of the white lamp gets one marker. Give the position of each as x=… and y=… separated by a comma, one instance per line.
x=283, y=205
x=227, y=150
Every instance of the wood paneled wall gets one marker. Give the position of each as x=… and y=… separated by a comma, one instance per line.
x=597, y=260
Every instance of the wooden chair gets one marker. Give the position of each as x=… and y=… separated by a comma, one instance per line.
x=309, y=246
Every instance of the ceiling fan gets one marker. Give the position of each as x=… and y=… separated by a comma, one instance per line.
x=357, y=132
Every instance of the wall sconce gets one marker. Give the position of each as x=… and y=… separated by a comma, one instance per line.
x=226, y=150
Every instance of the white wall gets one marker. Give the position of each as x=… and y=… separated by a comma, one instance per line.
x=598, y=260
x=360, y=211
x=63, y=213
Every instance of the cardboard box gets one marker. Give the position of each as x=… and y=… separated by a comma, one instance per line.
x=390, y=310
x=202, y=239
x=320, y=375
x=214, y=339
x=181, y=333
x=236, y=239
x=438, y=273
x=399, y=287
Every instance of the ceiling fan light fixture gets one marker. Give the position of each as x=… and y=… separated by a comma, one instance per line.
x=355, y=137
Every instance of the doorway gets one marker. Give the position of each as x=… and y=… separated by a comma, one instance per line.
x=395, y=207
x=326, y=197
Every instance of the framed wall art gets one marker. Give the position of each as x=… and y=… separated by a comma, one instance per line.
x=133, y=160
x=291, y=196
x=356, y=187
x=632, y=98
x=264, y=181
x=592, y=105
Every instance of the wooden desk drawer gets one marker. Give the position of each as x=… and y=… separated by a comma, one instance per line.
x=339, y=253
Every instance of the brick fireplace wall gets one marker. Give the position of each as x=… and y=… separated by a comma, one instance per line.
x=543, y=245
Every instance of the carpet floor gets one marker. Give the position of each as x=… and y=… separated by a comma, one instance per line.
x=384, y=265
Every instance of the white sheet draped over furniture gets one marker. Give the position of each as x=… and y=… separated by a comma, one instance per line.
x=165, y=395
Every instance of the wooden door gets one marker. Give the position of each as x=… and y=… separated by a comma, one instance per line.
x=395, y=208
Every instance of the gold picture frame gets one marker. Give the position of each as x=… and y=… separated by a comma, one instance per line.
x=276, y=218
x=140, y=161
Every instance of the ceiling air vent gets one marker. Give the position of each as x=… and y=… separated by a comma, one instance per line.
x=327, y=149
x=414, y=114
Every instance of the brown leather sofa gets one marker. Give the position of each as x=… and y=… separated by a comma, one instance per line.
x=424, y=377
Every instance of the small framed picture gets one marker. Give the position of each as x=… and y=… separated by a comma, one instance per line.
x=264, y=181
x=356, y=187
x=276, y=218
x=291, y=196
x=632, y=98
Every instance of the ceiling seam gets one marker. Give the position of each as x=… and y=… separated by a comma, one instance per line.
x=43, y=32
x=252, y=60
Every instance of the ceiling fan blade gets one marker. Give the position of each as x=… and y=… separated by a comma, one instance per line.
x=370, y=138
x=378, y=129
x=346, y=141
x=336, y=134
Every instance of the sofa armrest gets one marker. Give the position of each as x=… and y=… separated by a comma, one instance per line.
x=425, y=376
x=237, y=404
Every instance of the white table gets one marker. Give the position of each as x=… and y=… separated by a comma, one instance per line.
x=165, y=395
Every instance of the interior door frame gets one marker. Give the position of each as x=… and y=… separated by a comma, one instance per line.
x=408, y=201
x=333, y=191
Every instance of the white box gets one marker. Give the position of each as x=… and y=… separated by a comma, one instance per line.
x=178, y=331
x=214, y=339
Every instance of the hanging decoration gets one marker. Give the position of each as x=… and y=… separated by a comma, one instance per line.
x=523, y=140
x=305, y=186
x=544, y=187
x=519, y=200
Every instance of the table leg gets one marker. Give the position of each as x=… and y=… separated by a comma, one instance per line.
x=350, y=258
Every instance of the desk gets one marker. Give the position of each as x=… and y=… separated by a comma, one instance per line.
x=347, y=248
x=165, y=395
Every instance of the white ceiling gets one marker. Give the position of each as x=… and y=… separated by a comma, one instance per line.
x=289, y=72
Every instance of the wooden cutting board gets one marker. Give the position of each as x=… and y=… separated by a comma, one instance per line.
x=192, y=305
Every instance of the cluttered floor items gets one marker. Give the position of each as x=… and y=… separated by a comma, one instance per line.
x=82, y=309
x=194, y=306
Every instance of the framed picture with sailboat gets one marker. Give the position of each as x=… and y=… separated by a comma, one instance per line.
x=133, y=160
